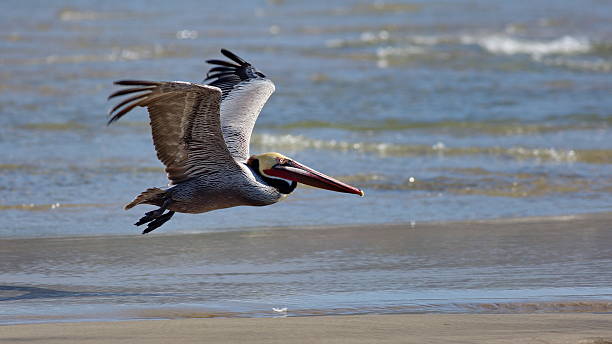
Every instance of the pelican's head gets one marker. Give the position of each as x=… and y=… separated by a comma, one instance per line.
x=284, y=174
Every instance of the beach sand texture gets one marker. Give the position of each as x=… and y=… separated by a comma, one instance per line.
x=414, y=328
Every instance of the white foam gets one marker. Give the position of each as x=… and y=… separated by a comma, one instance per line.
x=116, y=54
x=368, y=36
x=598, y=65
x=431, y=40
x=384, y=52
x=506, y=45
x=187, y=34
x=365, y=38
x=298, y=142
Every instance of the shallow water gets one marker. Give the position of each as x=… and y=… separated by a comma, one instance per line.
x=440, y=111
x=550, y=265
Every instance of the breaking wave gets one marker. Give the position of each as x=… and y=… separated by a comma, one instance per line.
x=299, y=142
x=500, y=127
x=115, y=54
x=492, y=43
x=386, y=48
x=502, y=44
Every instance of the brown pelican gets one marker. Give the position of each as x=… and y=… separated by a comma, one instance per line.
x=201, y=133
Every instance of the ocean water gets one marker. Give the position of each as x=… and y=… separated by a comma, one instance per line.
x=440, y=111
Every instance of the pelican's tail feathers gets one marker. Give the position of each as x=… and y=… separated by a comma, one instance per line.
x=153, y=196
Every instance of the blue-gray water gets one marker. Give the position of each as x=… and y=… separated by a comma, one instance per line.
x=447, y=110
x=540, y=265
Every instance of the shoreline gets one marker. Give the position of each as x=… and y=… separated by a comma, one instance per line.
x=407, y=328
x=595, y=216
x=485, y=267
x=190, y=312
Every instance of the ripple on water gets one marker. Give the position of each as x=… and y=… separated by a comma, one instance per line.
x=116, y=54
x=52, y=206
x=486, y=183
x=462, y=128
x=299, y=142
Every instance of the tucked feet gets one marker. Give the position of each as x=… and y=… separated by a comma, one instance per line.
x=156, y=223
x=150, y=216
x=155, y=218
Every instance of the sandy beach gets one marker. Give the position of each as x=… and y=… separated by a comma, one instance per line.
x=415, y=328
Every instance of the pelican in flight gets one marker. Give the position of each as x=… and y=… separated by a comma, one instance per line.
x=201, y=133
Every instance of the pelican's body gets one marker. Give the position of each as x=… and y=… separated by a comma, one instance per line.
x=225, y=189
x=201, y=134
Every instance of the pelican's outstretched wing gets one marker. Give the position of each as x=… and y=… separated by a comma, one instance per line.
x=185, y=125
x=245, y=91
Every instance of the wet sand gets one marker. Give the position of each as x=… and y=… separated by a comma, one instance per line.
x=415, y=328
x=528, y=265
x=588, y=322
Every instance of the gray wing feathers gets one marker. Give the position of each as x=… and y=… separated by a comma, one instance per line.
x=185, y=125
x=239, y=111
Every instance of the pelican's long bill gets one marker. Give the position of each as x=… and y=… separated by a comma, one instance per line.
x=297, y=172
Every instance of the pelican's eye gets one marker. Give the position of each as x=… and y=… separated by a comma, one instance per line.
x=282, y=161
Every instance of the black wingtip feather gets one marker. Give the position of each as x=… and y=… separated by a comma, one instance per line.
x=129, y=90
x=127, y=101
x=223, y=63
x=217, y=75
x=136, y=83
x=234, y=57
x=220, y=69
x=111, y=121
x=128, y=104
x=114, y=118
x=227, y=74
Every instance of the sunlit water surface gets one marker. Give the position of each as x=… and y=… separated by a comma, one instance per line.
x=557, y=265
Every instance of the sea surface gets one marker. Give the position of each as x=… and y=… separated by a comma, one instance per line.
x=440, y=110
